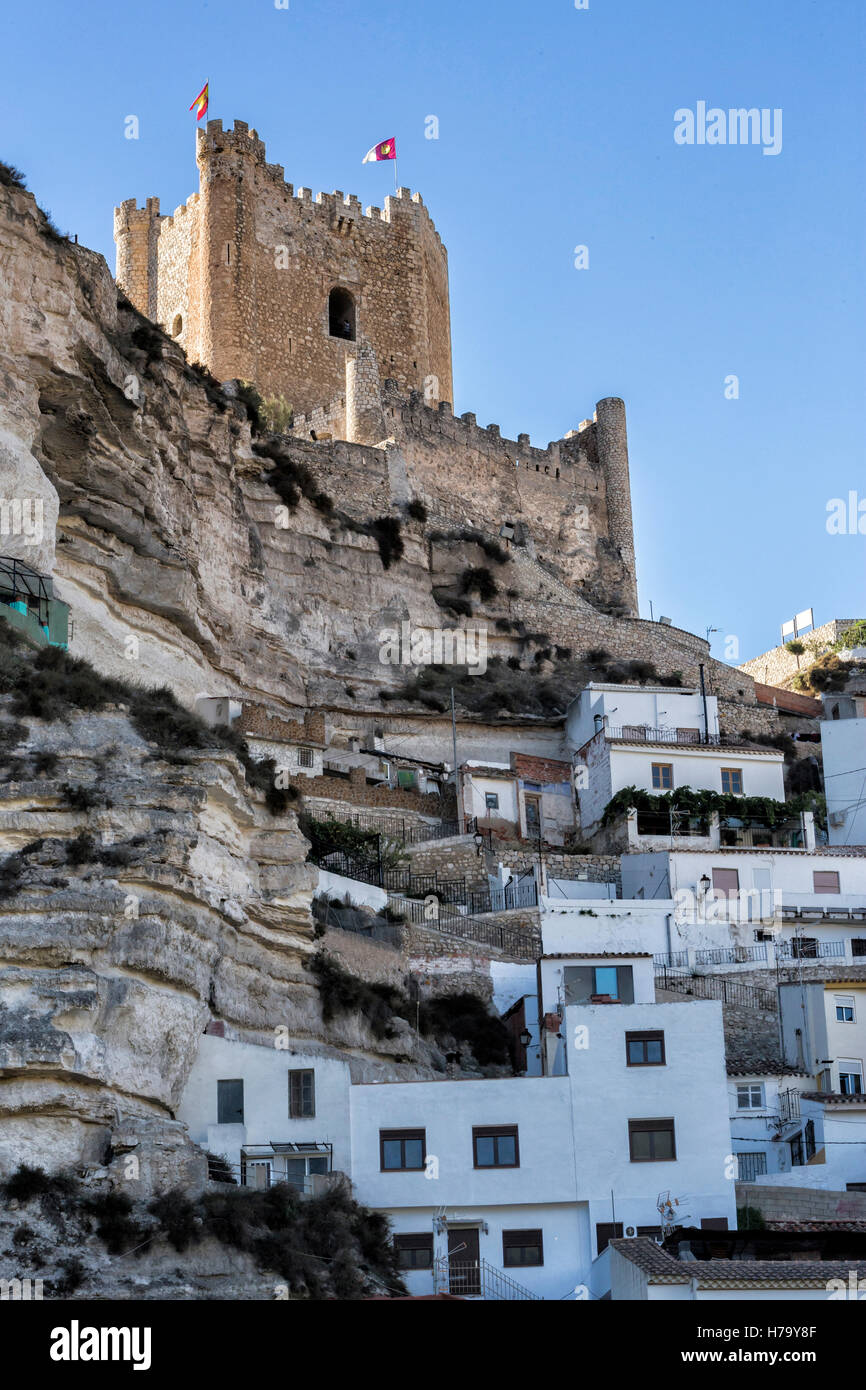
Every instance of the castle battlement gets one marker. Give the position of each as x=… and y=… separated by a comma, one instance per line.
x=266, y=282
x=214, y=142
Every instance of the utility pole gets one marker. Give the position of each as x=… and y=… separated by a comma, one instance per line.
x=456, y=770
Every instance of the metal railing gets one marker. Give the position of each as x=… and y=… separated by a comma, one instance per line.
x=513, y=941
x=789, y=1105
x=731, y=955
x=717, y=987
x=478, y=1279
x=645, y=733
x=742, y=832
x=810, y=948
x=671, y=823
x=671, y=960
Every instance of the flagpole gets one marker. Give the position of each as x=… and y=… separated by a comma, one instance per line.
x=396, y=185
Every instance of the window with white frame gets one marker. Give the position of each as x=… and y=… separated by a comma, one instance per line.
x=845, y=1008
x=751, y=1096
x=306, y=757
x=850, y=1076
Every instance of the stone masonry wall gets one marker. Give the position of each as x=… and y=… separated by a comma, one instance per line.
x=777, y=666
x=270, y=259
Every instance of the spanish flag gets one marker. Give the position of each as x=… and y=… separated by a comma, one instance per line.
x=200, y=103
x=387, y=150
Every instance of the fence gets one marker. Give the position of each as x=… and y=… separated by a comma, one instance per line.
x=452, y=891
x=716, y=987
x=513, y=941
x=809, y=948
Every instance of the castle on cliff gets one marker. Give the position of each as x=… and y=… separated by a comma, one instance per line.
x=345, y=314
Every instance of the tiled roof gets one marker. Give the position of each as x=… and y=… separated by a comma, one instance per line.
x=596, y=955
x=834, y=1098
x=810, y=1227
x=761, y=1066
x=662, y=1268
x=657, y=1263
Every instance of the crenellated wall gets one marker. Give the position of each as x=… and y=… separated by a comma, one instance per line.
x=261, y=261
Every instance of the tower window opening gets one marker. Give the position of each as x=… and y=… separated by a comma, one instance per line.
x=341, y=314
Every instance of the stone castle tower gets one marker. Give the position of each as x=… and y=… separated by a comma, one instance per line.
x=345, y=313
x=259, y=282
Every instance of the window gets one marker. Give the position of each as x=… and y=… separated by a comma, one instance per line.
x=825, y=882
x=651, y=1141
x=341, y=314
x=797, y=1155
x=414, y=1251
x=809, y=1136
x=855, y=1187
x=491, y=801
x=751, y=1166
x=645, y=1049
x=302, y=1094
x=584, y=982
x=177, y=326
x=750, y=1097
x=306, y=757
x=688, y=735
x=850, y=1076
x=858, y=945
x=230, y=1102
x=297, y=1170
x=495, y=1147
x=663, y=775
x=845, y=1008
x=605, y=1232
x=522, y=1248
x=714, y=1223
x=732, y=781
x=402, y=1149
x=726, y=882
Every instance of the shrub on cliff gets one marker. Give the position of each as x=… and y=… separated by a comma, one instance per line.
x=386, y=532
x=50, y=684
x=416, y=510
x=478, y=581
x=10, y=177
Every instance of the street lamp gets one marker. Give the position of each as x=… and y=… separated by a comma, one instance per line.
x=479, y=841
x=525, y=1038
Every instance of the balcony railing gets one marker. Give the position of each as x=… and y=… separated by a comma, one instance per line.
x=810, y=948
x=731, y=955
x=738, y=832
x=789, y=1106
x=645, y=733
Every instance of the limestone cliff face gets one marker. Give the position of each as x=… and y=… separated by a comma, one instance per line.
x=172, y=549
x=141, y=899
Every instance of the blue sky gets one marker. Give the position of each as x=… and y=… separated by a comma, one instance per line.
x=555, y=130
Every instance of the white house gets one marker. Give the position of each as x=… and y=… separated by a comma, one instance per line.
x=808, y=903
x=843, y=747
x=659, y=738
x=823, y=1032
x=769, y=1139
x=497, y=1187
